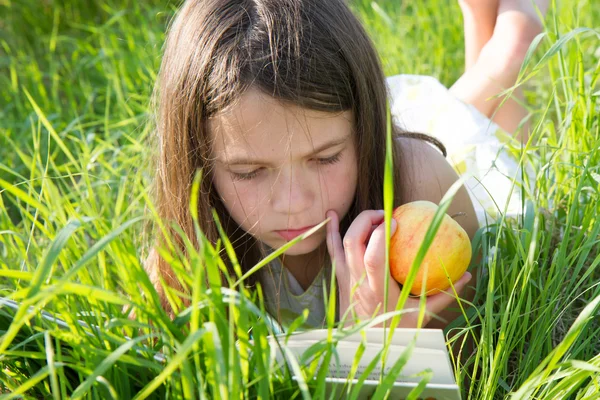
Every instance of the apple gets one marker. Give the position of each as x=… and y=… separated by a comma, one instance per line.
x=447, y=258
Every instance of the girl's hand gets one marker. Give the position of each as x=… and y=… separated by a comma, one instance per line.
x=363, y=251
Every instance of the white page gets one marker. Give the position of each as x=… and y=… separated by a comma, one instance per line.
x=426, y=338
x=429, y=353
x=415, y=364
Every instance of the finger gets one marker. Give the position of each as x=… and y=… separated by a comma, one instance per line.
x=354, y=242
x=374, y=259
x=334, y=245
x=441, y=301
x=373, y=227
x=461, y=284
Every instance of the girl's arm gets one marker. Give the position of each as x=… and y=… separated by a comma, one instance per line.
x=359, y=255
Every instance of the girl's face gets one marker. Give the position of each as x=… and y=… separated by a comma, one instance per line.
x=281, y=167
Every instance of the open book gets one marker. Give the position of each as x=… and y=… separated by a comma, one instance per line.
x=429, y=353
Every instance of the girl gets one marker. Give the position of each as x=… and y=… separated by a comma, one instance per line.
x=282, y=103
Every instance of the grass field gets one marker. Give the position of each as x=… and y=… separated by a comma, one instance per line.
x=75, y=81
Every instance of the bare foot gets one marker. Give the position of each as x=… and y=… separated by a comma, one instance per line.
x=527, y=8
x=517, y=25
x=498, y=65
x=479, y=20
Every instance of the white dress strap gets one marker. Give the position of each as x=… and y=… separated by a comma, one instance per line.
x=285, y=299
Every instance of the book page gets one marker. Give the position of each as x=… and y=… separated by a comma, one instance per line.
x=429, y=354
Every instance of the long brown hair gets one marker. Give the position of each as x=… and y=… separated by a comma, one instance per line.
x=311, y=53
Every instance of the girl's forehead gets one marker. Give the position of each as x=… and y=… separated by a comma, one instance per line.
x=259, y=125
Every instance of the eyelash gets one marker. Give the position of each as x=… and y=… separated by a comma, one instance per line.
x=323, y=161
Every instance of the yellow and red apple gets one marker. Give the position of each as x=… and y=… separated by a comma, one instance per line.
x=446, y=259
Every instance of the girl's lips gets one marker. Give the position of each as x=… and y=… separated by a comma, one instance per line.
x=292, y=233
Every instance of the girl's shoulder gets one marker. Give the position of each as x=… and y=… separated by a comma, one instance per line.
x=427, y=175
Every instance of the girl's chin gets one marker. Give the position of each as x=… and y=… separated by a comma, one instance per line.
x=305, y=246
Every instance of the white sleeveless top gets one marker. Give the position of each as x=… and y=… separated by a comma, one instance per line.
x=285, y=299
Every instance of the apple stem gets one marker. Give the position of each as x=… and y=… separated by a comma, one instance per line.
x=458, y=214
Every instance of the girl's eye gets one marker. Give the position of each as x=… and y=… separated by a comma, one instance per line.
x=330, y=160
x=244, y=176
x=238, y=176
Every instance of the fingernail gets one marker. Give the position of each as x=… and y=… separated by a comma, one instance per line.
x=394, y=225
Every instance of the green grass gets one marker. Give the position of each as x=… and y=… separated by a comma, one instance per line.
x=75, y=80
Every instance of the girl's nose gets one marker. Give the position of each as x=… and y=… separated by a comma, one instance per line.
x=291, y=193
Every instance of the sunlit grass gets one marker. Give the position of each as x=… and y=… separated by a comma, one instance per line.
x=75, y=79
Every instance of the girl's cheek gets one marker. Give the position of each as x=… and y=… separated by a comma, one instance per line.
x=231, y=188
x=249, y=199
x=231, y=193
x=340, y=184
x=241, y=201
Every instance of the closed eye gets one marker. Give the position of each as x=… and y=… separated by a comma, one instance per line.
x=238, y=176
x=330, y=160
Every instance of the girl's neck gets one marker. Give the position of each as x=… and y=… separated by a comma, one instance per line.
x=305, y=267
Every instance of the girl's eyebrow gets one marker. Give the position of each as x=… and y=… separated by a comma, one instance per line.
x=247, y=161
